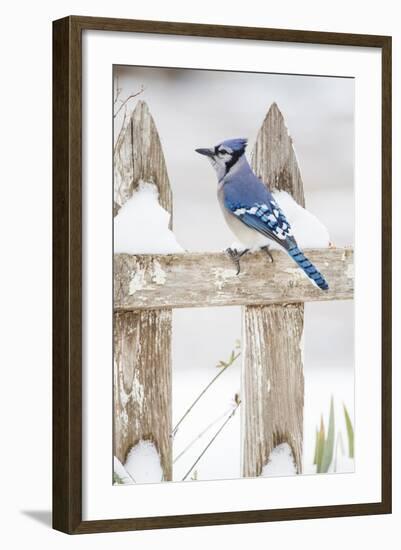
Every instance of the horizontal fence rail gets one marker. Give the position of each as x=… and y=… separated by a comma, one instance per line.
x=209, y=279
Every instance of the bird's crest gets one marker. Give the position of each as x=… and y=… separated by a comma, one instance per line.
x=236, y=144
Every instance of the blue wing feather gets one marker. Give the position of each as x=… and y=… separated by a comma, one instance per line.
x=247, y=198
x=270, y=229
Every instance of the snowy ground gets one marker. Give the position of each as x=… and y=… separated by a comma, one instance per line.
x=223, y=458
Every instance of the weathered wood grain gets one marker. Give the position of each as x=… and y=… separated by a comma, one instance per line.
x=139, y=156
x=142, y=339
x=142, y=382
x=273, y=384
x=273, y=381
x=273, y=158
x=209, y=279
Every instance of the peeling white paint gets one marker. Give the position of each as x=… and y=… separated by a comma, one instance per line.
x=138, y=392
x=350, y=271
x=124, y=417
x=138, y=282
x=269, y=387
x=124, y=396
x=302, y=345
x=222, y=276
x=159, y=275
x=297, y=273
x=143, y=277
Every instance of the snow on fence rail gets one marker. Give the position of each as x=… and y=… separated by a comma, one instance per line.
x=147, y=287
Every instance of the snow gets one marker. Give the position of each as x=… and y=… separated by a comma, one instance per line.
x=206, y=336
x=143, y=463
x=345, y=465
x=141, y=225
x=223, y=458
x=121, y=473
x=280, y=462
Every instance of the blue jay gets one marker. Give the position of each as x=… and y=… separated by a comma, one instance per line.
x=250, y=209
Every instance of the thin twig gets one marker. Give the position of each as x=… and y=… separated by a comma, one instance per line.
x=118, y=91
x=232, y=360
x=122, y=128
x=123, y=104
x=127, y=99
x=202, y=433
x=211, y=441
x=116, y=98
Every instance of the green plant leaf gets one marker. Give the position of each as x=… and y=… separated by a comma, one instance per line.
x=316, y=446
x=117, y=479
x=329, y=442
x=350, y=432
x=320, y=447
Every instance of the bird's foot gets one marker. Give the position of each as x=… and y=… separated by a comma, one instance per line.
x=235, y=256
x=267, y=250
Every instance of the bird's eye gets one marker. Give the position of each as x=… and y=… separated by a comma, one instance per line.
x=223, y=151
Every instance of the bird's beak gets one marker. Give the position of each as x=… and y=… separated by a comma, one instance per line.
x=206, y=152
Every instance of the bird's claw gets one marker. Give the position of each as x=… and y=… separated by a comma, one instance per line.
x=235, y=257
x=267, y=250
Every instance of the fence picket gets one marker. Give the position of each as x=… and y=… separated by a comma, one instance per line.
x=142, y=339
x=273, y=381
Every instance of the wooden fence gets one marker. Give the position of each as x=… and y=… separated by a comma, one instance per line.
x=272, y=296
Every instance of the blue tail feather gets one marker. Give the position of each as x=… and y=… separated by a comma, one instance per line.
x=299, y=257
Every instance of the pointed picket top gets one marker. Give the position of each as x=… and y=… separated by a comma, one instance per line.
x=274, y=159
x=139, y=156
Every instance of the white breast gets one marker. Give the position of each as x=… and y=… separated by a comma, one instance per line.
x=246, y=236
